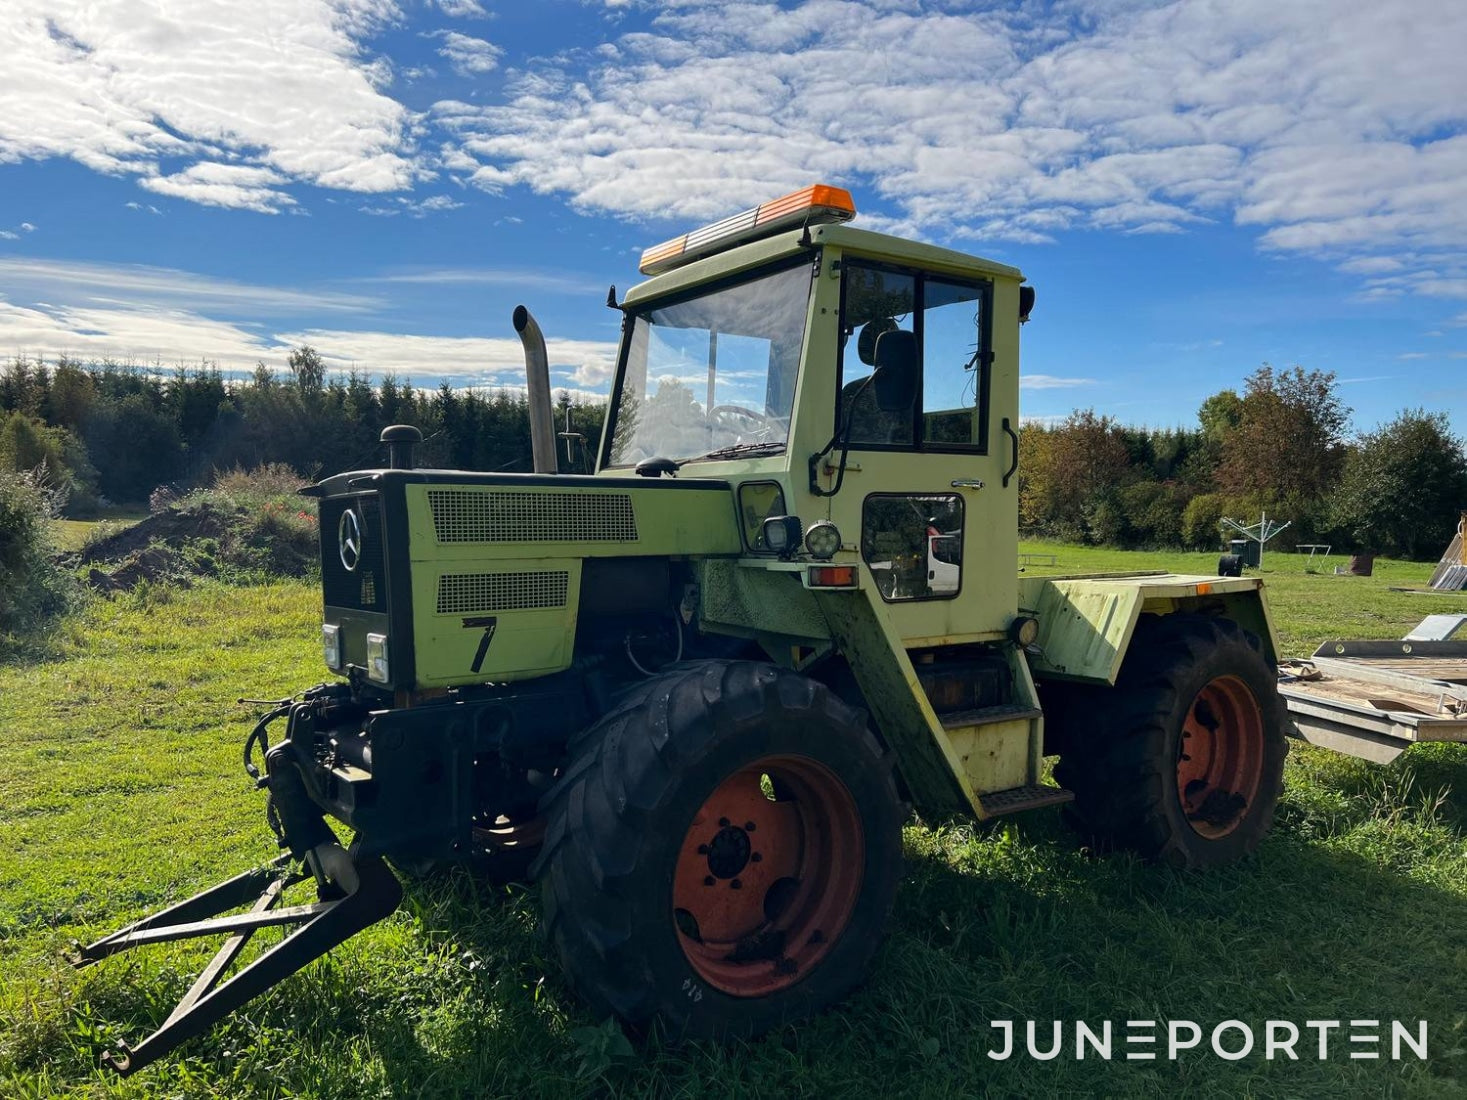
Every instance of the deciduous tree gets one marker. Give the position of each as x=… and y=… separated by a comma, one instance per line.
x=1404, y=487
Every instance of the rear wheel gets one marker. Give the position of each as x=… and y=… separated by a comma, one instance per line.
x=723, y=852
x=1183, y=759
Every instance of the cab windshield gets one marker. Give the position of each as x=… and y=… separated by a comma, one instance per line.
x=714, y=374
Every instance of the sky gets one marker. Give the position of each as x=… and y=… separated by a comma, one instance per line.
x=1195, y=187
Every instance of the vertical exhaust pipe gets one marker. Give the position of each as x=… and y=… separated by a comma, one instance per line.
x=537, y=372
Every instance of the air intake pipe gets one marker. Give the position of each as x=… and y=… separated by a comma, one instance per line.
x=537, y=373
x=400, y=440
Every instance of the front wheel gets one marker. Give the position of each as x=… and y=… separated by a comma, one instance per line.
x=723, y=852
x=1183, y=759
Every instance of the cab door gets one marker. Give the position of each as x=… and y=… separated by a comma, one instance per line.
x=924, y=482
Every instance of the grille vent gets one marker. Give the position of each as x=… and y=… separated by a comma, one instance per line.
x=461, y=516
x=463, y=593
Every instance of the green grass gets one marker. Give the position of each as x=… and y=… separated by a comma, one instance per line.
x=120, y=790
x=74, y=534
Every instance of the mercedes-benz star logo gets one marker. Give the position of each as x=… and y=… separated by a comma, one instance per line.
x=349, y=539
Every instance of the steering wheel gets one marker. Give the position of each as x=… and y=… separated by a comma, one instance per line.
x=748, y=425
x=737, y=410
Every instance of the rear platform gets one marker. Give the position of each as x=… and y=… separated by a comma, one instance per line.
x=1374, y=699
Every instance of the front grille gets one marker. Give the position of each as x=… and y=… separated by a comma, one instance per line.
x=461, y=515
x=466, y=593
x=365, y=587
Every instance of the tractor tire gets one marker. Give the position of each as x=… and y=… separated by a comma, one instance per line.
x=722, y=852
x=1183, y=761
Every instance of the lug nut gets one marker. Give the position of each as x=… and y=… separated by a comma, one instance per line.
x=749, y=826
x=723, y=821
x=736, y=884
x=702, y=849
x=709, y=880
x=755, y=857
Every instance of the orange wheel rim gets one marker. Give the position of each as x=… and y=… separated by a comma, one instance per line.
x=768, y=875
x=1220, y=758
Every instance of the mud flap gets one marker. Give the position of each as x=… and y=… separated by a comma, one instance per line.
x=365, y=891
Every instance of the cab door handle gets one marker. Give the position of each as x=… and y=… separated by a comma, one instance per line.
x=967, y=483
x=1014, y=439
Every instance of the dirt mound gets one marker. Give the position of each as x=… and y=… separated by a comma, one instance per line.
x=172, y=527
x=204, y=539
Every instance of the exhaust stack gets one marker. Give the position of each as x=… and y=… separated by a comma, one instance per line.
x=537, y=372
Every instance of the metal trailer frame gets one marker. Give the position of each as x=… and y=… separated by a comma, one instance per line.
x=1375, y=699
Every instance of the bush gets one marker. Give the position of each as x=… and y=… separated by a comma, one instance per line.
x=1202, y=521
x=273, y=479
x=1404, y=487
x=1153, y=511
x=34, y=589
x=270, y=531
x=28, y=444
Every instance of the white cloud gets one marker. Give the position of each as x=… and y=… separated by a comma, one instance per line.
x=124, y=88
x=233, y=185
x=413, y=208
x=479, y=276
x=7, y=235
x=1051, y=382
x=146, y=335
x=75, y=283
x=28, y=227
x=1333, y=126
x=469, y=56
x=462, y=9
x=491, y=361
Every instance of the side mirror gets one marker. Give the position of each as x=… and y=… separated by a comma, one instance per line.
x=895, y=378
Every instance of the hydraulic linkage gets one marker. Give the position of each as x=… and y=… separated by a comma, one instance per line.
x=368, y=892
x=354, y=890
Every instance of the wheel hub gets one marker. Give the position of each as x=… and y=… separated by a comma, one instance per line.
x=729, y=852
x=1220, y=757
x=768, y=875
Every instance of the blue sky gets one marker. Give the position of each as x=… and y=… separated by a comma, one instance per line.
x=1195, y=188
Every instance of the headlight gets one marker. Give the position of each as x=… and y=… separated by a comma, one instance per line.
x=331, y=645
x=822, y=540
x=377, y=658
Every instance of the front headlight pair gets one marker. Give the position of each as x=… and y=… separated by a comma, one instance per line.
x=378, y=668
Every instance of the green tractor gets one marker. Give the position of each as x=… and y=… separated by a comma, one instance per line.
x=696, y=694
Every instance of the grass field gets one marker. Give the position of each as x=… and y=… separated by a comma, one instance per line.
x=72, y=534
x=121, y=789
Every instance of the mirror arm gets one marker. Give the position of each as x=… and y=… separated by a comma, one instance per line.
x=843, y=435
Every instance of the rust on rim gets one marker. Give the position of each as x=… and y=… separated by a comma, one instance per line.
x=768, y=875
x=1220, y=757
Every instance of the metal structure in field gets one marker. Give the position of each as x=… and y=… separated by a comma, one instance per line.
x=1450, y=574
x=694, y=693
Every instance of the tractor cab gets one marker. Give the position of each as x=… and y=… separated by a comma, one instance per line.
x=849, y=379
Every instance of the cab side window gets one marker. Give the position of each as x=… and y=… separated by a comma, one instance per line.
x=875, y=302
x=949, y=319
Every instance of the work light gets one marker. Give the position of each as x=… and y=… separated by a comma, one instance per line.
x=377, y=658
x=822, y=539
x=782, y=534
x=331, y=645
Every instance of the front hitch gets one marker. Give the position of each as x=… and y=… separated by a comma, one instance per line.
x=353, y=892
x=366, y=892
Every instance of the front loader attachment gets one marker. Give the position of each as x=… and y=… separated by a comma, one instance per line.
x=358, y=893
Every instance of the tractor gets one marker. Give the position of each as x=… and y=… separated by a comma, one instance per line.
x=696, y=693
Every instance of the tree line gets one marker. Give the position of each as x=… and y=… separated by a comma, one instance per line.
x=1280, y=446
x=111, y=433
